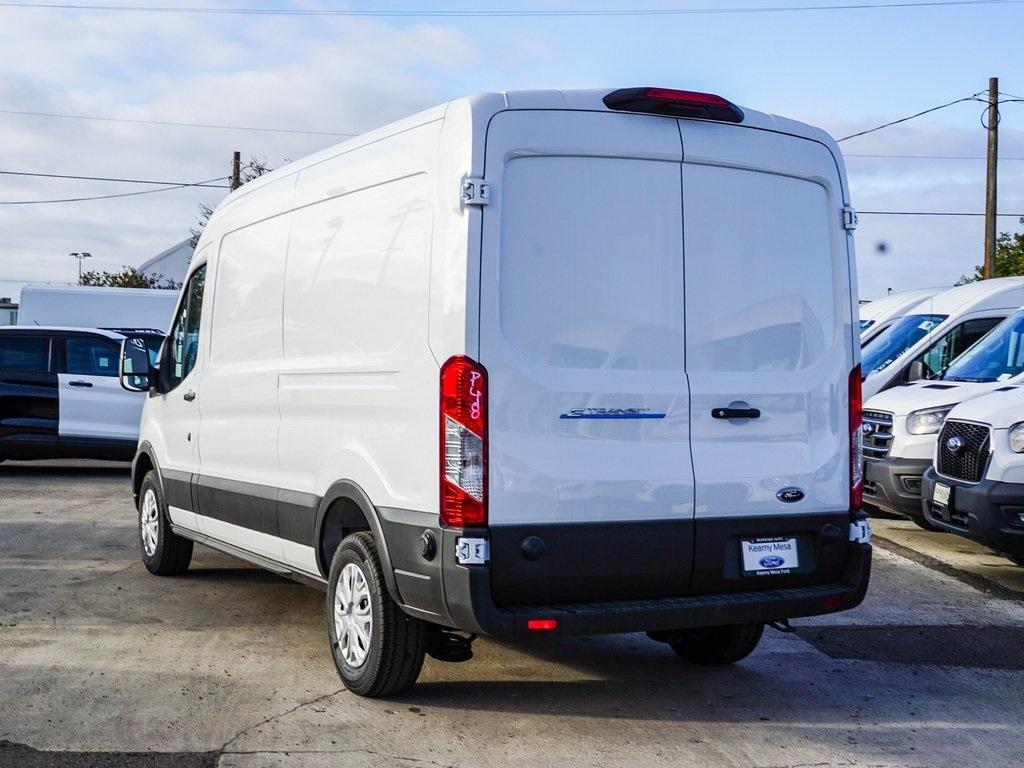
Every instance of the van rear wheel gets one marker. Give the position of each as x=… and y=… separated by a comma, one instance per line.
x=164, y=553
x=377, y=648
x=718, y=645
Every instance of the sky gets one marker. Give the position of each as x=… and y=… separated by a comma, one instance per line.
x=843, y=70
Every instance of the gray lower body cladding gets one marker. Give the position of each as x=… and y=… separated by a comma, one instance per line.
x=894, y=485
x=989, y=512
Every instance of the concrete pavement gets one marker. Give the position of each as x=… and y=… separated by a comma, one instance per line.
x=103, y=664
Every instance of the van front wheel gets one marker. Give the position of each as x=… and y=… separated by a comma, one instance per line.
x=377, y=648
x=718, y=645
x=164, y=552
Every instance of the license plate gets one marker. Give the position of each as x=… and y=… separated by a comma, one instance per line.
x=767, y=556
x=940, y=495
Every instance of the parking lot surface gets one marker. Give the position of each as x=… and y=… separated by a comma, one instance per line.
x=102, y=664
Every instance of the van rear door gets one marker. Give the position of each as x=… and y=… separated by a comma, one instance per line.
x=582, y=334
x=769, y=350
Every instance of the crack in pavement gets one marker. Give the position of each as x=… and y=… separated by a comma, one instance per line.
x=300, y=705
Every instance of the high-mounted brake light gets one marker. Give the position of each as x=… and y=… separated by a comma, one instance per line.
x=667, y=101
x=463, y=427
x=856, y=441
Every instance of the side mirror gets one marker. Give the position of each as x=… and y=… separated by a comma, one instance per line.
x=917, y=371
x=135, y=370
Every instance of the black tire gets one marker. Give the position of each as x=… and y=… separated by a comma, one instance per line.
x=397, y=642
x=171, y=554
x=718, y=645
x=922, y=522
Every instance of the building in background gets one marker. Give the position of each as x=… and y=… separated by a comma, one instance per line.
x=172, y=264
x=8, y=311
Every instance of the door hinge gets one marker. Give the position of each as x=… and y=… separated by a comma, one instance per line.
x=849, y=218
x=860, y=531
x=476, y=192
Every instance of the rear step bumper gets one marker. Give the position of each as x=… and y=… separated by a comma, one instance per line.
x=471, y=606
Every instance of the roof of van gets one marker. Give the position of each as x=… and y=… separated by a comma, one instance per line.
x=893, y=302
x=997, y=292
x=483, y=106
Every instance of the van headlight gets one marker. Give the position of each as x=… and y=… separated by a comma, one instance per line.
x=1017, y=438
x=927, y=421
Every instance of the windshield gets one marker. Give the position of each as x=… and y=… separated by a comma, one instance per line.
x=880, y=352
x=865, y=324
x=996, y=357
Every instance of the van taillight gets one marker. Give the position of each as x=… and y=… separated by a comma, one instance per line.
x=463, y=443
x=856, y=442
x=668, y=101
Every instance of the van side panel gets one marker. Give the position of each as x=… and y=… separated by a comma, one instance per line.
x=237, y=392
x=358, y=384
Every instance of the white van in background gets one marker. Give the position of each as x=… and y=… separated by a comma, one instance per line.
x=976, y=487
x=879, y=314
x=901, y=424
x=526, y=364
x=937, y=331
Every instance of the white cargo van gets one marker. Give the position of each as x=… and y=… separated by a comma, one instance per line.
x=877, y=315
x=937, y=331
x=901, y=424
x=535, y=363
x=976, y=486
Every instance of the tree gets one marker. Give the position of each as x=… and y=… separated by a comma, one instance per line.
x=1009, y=258
x=128, y=277
x=253, y=169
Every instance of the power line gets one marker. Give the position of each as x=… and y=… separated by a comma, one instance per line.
x=508, y=13
x=109, y=197
x=972, y=97
x=107, y=178
x=178, y=124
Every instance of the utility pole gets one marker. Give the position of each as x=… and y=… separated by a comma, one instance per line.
x=236, y=171
x=989, y=270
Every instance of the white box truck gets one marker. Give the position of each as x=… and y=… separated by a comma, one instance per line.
x=525, y=364
x=86, y=306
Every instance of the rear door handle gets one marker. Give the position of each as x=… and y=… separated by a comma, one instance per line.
x=189, y=396
x=735, y=413
x=80, y=383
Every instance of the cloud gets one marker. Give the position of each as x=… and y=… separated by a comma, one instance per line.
x=345, y=75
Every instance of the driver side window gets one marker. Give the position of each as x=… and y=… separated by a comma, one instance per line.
x=947, y=349
x=184, y=336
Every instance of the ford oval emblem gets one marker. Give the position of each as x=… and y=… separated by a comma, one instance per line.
x=771, y=561
x=955, y=444
x=789, y=495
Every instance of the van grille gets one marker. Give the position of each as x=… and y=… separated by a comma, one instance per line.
x=877, y=434
x=968, y=461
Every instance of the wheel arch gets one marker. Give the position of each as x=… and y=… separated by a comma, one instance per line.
x=143, y=462
x=346, y=508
